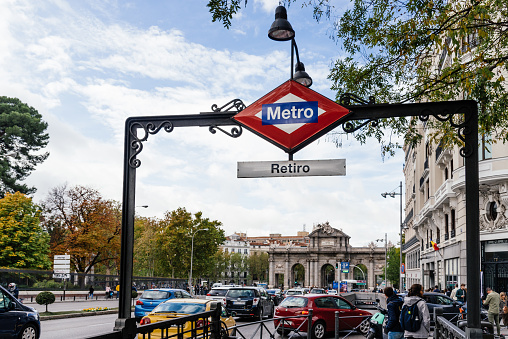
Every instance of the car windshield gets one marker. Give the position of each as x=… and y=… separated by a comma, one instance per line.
x=220, y=292
x=294, y=292
x=294, y=302
x=185, y=308
x=240, y=293
x=154, y=295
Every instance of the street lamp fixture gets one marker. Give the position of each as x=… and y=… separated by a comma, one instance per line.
x=402, y=227
x=281, y=30
x=191, y=257
x=144, y=206
x=386, y=264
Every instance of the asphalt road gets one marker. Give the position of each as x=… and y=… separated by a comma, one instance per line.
x=77, y=328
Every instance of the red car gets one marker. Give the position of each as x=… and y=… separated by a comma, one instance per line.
x=323, y=308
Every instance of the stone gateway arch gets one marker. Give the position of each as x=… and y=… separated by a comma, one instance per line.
x=327, y=246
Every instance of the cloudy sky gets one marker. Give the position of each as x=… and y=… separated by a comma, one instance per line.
x=87, y=65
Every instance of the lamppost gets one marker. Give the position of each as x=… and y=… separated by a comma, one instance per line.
x=281, y=30
x=386, y=241
x=392, y=195
x=191, y=255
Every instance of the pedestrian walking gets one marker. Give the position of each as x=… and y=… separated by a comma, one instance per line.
x=461, y=293
x=436, y=289
x=90, y=292
x=503, y=309
x=117, y=290
x=393, y=305
x=415, y=296
x=108, y=292
x=492, y=301
x=453, y=294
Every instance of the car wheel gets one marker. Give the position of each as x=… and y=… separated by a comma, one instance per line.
x=364, y=327
x=28, y=332
x=261, y=313
x=371, y=335
x=318, y=330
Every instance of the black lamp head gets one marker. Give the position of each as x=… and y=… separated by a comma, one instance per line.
x=301, y=76
x=281, y=29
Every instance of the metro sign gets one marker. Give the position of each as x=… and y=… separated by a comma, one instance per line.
x=291, y=116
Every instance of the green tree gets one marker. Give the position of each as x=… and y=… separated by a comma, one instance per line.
x=23, y=242
x=393, y=262
x=173, y=241
x=407, y=51
x=45, y=298
x=257, y=265
x=22, y=136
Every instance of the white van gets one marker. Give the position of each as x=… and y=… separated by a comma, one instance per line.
x=217, y=285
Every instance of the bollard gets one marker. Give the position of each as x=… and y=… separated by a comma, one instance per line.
x=32, y=299
x=309, y=325
x=74, y=298
x=60, y=298
x=336, y=324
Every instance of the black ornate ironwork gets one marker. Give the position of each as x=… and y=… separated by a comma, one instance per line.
x=235, y=131
x=235, y=103
x=137, y=142
x=345, y=100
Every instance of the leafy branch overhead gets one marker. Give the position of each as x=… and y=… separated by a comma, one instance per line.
x=414, y=51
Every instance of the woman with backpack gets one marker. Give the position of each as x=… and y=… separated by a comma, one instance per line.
x=414, y=316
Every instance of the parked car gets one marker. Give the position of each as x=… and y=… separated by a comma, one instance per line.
x=334, y=292
x=294, y=291
x=324, y=307
x=249, y=302
x=276, y=295
x=153, y=297
x=318, y=291
x=218, y=294
x=175, y=308
x=451, y=308
x=17, y=320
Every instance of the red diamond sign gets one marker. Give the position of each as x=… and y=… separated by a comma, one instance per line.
x=291, y=116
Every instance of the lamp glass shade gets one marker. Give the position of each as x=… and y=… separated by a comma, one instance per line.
x=281, y=29
x=301, y=76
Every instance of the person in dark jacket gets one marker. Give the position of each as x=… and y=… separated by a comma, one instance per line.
x=393, y=305
x=13, y=289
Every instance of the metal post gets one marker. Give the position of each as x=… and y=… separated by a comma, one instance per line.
x=386, y=246
x=309, y=323
x=472, y=224
x=401, y=285
x=192, y=254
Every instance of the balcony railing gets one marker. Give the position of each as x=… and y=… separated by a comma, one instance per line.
x=446, y=236
x=452, y=235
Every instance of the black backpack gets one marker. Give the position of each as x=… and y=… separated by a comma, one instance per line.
x=410, y=318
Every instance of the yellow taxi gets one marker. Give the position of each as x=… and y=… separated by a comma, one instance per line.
x=175, y=308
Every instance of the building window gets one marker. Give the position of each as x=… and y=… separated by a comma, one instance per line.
x=232, y=250
x=438, y=235
x=446, y=173
x=446, y=227
x=452, y=224
x=485, y=147
x=451, y=169
x=451, y=272
x=492, y=211
x=245, y=251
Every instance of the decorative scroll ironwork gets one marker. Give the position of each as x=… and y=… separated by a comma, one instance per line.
x=239, y=106
x=235, y=103
x=346, y=99
x=137, y=142
x=235, y=131
x=462, y=126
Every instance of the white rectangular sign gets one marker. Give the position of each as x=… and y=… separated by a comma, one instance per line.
x=62, y=262
x=61, y=275
x=63, y=257
x=57, y=270
x=297, y=168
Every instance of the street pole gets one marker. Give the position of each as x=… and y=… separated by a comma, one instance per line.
x=401, y=284
x=192, y=254
x=386, y=246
